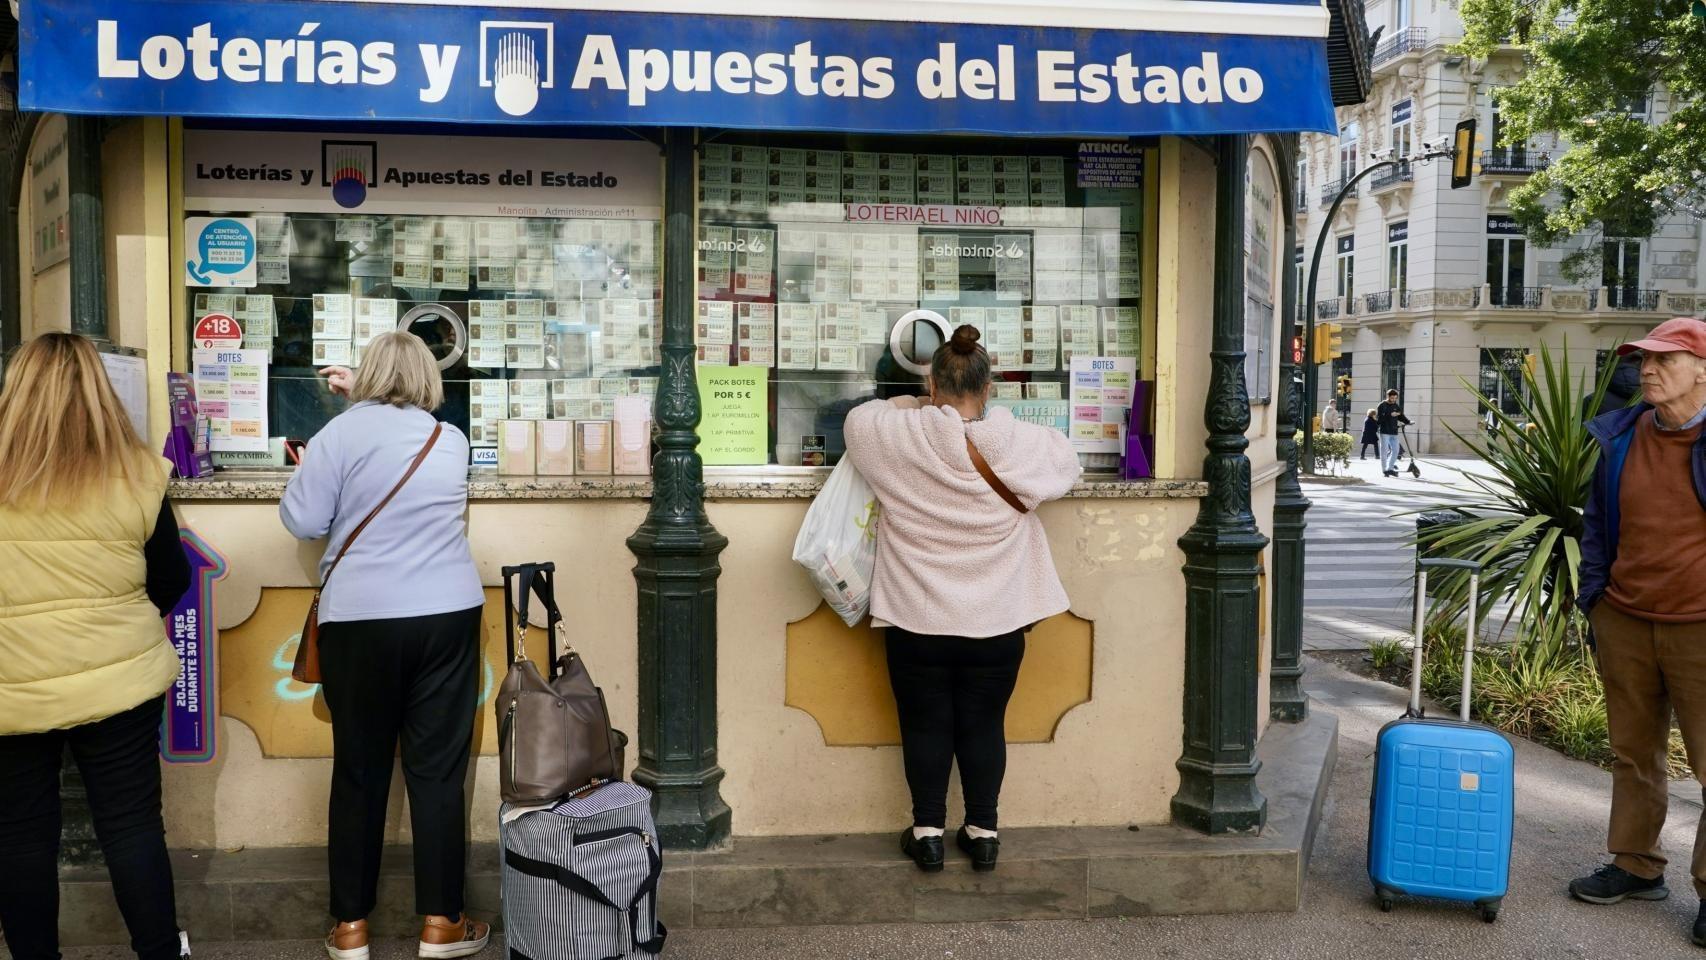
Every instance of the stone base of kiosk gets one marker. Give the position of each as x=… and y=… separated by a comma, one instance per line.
x=1045, y=873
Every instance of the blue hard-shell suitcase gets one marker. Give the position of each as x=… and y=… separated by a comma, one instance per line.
x=1443, y=799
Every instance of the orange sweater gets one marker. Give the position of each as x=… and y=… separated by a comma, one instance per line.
x=1662, y=540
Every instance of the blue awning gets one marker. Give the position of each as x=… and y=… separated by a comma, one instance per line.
x=1092, y=67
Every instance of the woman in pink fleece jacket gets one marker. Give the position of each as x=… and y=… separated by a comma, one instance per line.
x=961, y=575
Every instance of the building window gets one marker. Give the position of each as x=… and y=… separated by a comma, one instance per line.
x=1263, y=228
x=1507, y=253
x=1302, y=278
x=521, y=310
x=1301, y=186
x=1501, y=378
x=1398, y=262
x=803, y=270
x=1348, y=137
x=1347, y=267
x=1637, y=105
x=1620, y=270
x=1403, y=129
x=1392, y=372
x=1401, y=14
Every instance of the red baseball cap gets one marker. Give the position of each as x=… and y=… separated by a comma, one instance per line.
x=1681, y=333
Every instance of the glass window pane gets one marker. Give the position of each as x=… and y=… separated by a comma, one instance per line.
x=856, y=232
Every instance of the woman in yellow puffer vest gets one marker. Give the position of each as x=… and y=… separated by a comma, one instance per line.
x=91, y=563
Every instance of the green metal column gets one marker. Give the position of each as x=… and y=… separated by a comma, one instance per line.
x=87, y=230
x=677, y=568
x=1217, y=770
x=1286, y=700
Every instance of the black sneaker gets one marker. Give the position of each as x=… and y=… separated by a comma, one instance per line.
x=1613, y=884
x=981, y=850
x=924, y=851
x=1699, y=935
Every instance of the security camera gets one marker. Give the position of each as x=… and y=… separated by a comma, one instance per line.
x=1380, y=156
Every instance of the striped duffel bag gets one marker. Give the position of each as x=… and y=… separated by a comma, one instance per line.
x=580, y=877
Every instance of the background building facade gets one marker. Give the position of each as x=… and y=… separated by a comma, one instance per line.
x=1435, y=287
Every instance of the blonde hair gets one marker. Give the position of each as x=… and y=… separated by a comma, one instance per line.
x=397, y=368
x=63, y=432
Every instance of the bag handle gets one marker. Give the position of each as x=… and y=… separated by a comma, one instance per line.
x=420, y=458
x=994, y=481
x=532, y=578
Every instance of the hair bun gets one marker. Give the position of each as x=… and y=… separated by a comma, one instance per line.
x=965, y=339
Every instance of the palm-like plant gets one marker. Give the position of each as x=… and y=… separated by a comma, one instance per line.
x=1524, y=522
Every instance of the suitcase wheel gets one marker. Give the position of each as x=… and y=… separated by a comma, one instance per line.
x=1489, y=912
x=1386, y=898
x=1385, y=904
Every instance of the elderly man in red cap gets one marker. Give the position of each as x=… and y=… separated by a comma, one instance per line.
x=1643, y=547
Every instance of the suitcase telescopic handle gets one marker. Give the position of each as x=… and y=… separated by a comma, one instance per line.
x=1422, y=568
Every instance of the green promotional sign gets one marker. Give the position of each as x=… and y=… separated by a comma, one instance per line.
x=734, y=422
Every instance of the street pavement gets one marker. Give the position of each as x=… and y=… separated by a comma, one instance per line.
x=1560, y=827
x=1360, y=559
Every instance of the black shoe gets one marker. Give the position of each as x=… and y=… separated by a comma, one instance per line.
x=981, y=850
x=1613, y=884
x=1699, y=934
x=924, y=851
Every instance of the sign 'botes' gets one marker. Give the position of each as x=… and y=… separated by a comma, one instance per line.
x=334, y=60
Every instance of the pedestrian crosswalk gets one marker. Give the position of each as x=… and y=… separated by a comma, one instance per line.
x=1360, y=559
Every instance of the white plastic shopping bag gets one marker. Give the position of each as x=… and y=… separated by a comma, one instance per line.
x=838, y=542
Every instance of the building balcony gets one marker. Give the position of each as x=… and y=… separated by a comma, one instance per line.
x=1391, y=177
x=1445, y=298
x=1407, y=40
x=1625, y=298
x=1327, y=309
x=1330, y=192
x=1386, y=301
x=1513, y=162
x=1514, y=298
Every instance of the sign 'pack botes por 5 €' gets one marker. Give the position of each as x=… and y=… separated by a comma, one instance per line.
x=1160, y=72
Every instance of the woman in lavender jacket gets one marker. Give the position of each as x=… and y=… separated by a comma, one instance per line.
x=960, y=576
x=399, y=638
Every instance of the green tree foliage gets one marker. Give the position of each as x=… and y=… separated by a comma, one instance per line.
x=1586, y=62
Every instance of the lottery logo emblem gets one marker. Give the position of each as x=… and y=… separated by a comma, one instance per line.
x=350, y=169
x=516, y=61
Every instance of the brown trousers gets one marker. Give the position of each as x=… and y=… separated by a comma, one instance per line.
x=1650, y=668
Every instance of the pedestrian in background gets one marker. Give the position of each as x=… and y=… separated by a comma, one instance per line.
x=1370, y=435
x=91, y=562
x=1330, y=419
x=1389, y=416
x=963, y=571
x=399, y=637
x=1643, y=541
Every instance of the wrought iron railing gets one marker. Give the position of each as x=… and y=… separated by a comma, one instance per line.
x=1625, y=298
x=1378, y=302
x=1521, y=298
x=1514, y=160
x=1330, y=192
x=1392, y=175
x=1327, y=309
x=1408, y=40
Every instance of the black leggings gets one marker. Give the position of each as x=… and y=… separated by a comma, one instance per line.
x=414, y=678
x=120, y=761
x=952, y=695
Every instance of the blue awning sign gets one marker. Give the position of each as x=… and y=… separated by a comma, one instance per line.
x=445, y=62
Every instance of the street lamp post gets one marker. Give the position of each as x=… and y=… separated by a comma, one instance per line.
x=1311, y=376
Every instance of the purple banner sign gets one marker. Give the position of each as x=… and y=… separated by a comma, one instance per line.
x=192, y=714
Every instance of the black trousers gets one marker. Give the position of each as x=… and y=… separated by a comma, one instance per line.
x=952, y=694
x=120, y=761
x=417, y=679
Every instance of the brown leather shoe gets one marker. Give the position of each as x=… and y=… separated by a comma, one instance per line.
x=348, y=941
x=442, y=938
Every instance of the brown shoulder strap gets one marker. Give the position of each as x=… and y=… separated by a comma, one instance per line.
x=420, y=458
x=994, y=481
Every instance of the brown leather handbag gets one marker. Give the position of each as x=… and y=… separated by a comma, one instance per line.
x=307, y=666
x=554, y=734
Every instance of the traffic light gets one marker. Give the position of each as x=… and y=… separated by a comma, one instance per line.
x=1297, y=351
x=1463, y=153
x=1329, y=342
x=1529, y=364
x=1344, y=387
